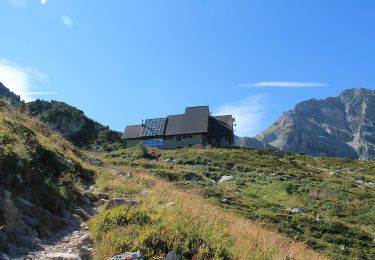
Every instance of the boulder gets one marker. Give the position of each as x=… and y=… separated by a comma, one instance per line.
x=145, y=192
x=296, y=211
x=226, y=178
x=85, y=252
x=62, y=256
x=85, y=240
x=120, y=202
x=103, y=195
x=82, y=214
x=171, y=256
x=128, y=256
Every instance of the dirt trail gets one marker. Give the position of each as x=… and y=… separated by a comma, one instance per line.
x=72, y=242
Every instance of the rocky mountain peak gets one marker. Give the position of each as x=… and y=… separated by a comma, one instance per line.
x=342, y=126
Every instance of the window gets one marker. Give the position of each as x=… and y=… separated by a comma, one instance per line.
x=178, y=138
x=158, y=142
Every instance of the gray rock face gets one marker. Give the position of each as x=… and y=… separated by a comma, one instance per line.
x=342, y=126
x=120, y=201
x=251, y=142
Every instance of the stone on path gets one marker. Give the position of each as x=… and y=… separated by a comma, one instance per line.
x=62, y=256
x=128, y=256
x=171, y=256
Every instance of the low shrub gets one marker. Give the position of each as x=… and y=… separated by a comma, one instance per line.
x=155, y=232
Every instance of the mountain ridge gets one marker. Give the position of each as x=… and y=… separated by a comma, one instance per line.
x=342, y=126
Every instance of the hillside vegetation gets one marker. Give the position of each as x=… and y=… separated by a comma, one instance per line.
x=7, y=94
x=327, y=203
x=74, y=125
x=170, y=218
x=43, y=177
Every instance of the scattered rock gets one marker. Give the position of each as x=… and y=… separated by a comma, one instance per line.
x=82, y=214
x=85, y=240
x=336, y=174
x=84, y=226
x=169, y=204
x=226, y=201
x=62, y=256
x=171, y=256
x=145, y=192
x=85, y=251
x=169, y=160
x=120, y=201
x=226, y=178
x=103, y=195
x=4, y=257
x=128, y=256
x=26, y=241
x=296, y=211
x=102, y=201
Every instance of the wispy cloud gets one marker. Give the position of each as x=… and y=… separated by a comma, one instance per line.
x=67, y=21
x=19, y=3
x=22, y=80
x=43, y=2
x=248, y=114
x=283, y=84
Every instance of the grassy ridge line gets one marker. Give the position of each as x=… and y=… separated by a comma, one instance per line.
x=251, y=240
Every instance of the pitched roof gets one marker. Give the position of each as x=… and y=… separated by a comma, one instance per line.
x=221, y=125
x=132, y=131
x=227, y=119
x=195, y=120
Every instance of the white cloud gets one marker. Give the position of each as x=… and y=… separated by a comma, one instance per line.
x=19, y=3
x=67, y=21
x=248, y=114
x=22, y=80
x=284, y=84
x=43, y=2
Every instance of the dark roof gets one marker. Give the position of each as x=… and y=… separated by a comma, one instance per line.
x=227, y=119
x=132, y=131
x=221, y=125
x=175, y=125
x=195, y=120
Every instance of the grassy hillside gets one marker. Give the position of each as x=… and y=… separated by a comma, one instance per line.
x=74, y=125
x=327, y=203
x=31, y=154
x=42, y=175
x=170, y=218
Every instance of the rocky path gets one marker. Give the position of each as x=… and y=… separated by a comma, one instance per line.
x=71, y=243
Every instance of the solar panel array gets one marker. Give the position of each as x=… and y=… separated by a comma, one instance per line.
x=154, y=127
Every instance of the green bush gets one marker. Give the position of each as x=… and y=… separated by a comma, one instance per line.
x=155, y=233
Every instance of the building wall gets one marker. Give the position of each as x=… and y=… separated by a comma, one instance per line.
x=171, y=142
x=133, y=142
x=220, y=141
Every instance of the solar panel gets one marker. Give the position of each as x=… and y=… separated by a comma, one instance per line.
x=154, y=127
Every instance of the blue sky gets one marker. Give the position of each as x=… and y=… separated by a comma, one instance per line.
x=122, y=61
